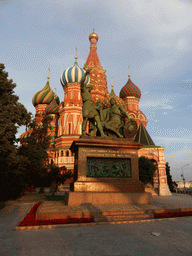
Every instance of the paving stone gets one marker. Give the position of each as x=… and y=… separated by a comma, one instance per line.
x=124, y=239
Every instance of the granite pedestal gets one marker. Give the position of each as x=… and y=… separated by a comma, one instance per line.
x=106, y=172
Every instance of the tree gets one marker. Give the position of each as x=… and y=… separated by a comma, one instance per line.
x=169, y=178
x=57, y=175
x=12, y=115
x=146, y=170
x=33, y=148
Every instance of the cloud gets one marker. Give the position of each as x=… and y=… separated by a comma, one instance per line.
x=182, y=44
x=167, y=107
x=172, y=139
x=159, y=17
x=158, y=102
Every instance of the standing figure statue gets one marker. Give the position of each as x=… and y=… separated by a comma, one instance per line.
x=114, y=117
x=89, y=110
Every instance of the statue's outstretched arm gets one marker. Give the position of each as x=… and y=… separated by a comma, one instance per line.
x=124, y=112
x=83, y=79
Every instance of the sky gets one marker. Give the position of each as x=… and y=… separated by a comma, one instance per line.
x=154, y=38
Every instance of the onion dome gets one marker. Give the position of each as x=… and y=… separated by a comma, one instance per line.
x=73, y=74
x=130, y=90
x=108, y=96
x=93, y=35
x=45, y=96
x=52, y=109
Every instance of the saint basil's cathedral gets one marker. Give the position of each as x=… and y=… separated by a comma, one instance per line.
x=66, y=124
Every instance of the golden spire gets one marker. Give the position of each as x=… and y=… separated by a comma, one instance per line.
x=129, y=72
x=76, y=55
x=112, y=84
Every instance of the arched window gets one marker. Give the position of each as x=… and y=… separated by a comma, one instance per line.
x=69, y=128
x=67, y=153
x=62, y=153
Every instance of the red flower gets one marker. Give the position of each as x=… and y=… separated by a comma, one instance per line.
x=172, y=214
x=30, y=220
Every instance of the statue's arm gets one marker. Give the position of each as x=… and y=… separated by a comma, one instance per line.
x=84, y=78
x=83, y=83
x=124, y=112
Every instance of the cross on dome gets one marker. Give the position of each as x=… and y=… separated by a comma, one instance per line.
x=76, y=55
x=112, y=87
x=129, y=72
x=48, y=75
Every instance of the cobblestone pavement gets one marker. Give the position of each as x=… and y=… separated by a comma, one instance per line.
x=172, y=237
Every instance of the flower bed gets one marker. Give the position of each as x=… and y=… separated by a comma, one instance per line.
x=172, y=214
x=30, y=220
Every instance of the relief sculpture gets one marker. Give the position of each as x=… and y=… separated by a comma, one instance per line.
x=108, y=167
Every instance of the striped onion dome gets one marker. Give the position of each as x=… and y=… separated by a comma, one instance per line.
x=108, y=96
x=52, y=109
x=45, y=96
x=130, y=90
x=73, y=75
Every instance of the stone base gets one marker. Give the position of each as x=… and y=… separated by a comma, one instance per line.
x=98, y=198
x=108, y=185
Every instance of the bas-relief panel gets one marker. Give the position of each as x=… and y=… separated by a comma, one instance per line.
x=108, y=167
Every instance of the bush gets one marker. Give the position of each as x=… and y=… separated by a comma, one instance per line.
x=146, y=170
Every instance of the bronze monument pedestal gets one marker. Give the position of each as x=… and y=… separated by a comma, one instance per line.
x=106, y=172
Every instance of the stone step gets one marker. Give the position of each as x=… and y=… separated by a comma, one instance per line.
x=116, y=218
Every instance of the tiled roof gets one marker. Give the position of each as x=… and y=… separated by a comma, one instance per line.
x=142, y=136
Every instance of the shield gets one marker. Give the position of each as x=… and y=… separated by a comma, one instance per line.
x=130, y=129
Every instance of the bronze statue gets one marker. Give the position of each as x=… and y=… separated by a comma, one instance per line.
x=89, y=110
x=114, y=119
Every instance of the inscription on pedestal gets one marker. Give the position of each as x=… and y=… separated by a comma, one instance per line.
x=108, y=167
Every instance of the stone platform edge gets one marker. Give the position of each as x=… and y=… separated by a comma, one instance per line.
x=97, y=198
x=23, y=228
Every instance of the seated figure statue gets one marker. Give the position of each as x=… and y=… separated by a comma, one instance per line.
x=114, y=119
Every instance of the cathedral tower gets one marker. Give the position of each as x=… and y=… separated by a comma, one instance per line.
x=97, y=77
x=131, y=94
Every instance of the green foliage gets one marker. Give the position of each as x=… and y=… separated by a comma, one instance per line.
x=169, y=178
x=13, y=185
x=175, y=185
x=58, y=174
x=12, y=115
x=33, y=149
x=146, y=170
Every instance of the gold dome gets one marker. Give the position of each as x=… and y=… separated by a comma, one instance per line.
x=93, y=35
